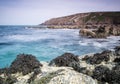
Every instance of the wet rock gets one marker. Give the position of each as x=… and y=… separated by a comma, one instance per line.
x=117, y=60
x=98, y=58
x=117, y=50
x=87, y=33
x=24, y=63
x=64, y=60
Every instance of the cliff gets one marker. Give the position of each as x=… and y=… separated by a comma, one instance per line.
x=87, y=20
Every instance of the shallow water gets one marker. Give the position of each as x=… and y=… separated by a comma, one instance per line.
x=47, y=44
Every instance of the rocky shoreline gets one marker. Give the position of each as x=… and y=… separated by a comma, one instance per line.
x=84, y=20
x=99, y=68
x=101, y=32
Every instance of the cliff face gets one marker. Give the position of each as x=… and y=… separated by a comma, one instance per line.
x=87, y=20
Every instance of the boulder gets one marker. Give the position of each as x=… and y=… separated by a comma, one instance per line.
x=100, y=73
x=104, y=74
x=98, y=57
x=24, y=63
x=101, y=31
x=64, y=60
x=87, y=33
x=113, y=77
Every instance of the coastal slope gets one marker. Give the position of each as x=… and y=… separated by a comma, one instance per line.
x=85, y=20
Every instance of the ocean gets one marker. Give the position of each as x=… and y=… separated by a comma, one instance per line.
x=47, y=44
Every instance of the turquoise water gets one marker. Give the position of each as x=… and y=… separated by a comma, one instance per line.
x=47, y=44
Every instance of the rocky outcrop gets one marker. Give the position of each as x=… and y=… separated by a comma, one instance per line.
x=24, y=63
x=98, y=57
x=64, y=60
x=106, y=66
x=101, y=32
x=85, y=20
x=99, y=68
x=88, y=33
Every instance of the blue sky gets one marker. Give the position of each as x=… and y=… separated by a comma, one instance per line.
x=33, y=12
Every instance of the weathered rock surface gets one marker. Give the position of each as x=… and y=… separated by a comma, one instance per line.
x=98, y=57
x=100, y=68
x=24, y=63
x=62, y=75
x=101, y=32
x=64, y=60
x=87, y=33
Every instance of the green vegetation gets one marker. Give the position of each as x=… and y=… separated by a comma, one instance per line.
x=101, y=16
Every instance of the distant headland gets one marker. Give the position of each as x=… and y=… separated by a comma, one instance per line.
x=85, y=20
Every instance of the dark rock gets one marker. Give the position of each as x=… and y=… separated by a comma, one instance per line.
x=100, y=73
x=117, y=68
x=117, y=50
x=4, y=70
x=1, y=80
x=32, y=78
x=103, y=74
x=8, y=80
x=76, y=66
x=24, y=63
x=117, y=60
x=64, y=60
x=113, y=77
x=98, y=58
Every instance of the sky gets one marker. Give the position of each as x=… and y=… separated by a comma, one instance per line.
x=34, y=12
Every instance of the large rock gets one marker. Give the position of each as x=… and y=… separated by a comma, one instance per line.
x=98, y=57
x=101, y=32
x=100, y=73
x=69, y=76
x=24, y=63
x=64, y=60
x=87, y=33
x=104, y=74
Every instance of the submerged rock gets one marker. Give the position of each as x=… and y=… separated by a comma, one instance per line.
x=64, y=60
